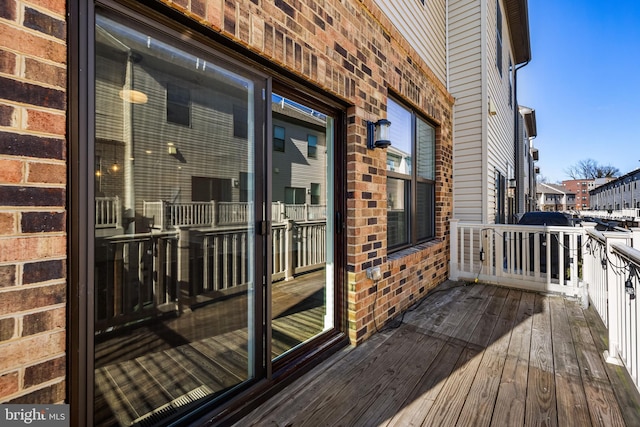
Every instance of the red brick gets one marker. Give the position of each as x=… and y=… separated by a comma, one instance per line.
x=44, y=372
x=9, y=384
x=7, y=223
x=43, y=321
x=43, y=121
x=21, y=299
x=30, y=44
x=7, y=328
x=57, y=6
x=46, y=173
x=8, y=9
x=6, y=115
x=29, y=350
x=7, y=276
x=32, y=248
x=32, y=196
x=7, y=62
x=51, y=394
x=11, y=171
x=45, y=73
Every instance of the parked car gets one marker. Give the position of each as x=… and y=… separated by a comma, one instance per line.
x=545, y=218
x=548, y=219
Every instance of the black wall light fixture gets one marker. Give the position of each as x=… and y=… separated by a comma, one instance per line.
x=378, y=134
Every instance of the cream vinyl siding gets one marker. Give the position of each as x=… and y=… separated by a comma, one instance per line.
x=465, y=83
x=424, y=27
x=500, y=136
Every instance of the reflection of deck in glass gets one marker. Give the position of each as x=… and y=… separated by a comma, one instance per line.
x=167, y=363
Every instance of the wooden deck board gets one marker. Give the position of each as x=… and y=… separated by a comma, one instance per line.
x=469, y=356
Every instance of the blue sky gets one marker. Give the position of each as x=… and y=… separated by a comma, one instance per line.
x=584, y=83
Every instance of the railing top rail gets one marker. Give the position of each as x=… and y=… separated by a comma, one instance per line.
x=627, y=252
x=523, y=228
x=141, y=236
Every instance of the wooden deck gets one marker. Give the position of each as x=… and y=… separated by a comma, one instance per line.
x=146, y=372
x=471, y=355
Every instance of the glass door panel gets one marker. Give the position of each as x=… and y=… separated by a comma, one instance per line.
x=302, y=197
x=174, y=292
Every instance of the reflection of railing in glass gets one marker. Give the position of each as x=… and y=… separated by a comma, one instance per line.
x=136, y=278
x=108, y=212
x=138, y=275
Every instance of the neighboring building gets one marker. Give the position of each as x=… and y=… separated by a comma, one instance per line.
x=616, y=193
x=526, y=179
x=488, y=40
x=581, y=188
x=554, y=197
x=190, y=216
x=488, y=43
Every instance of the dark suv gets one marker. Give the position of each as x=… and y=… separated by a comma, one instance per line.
x=544, y=218
x=548, y=219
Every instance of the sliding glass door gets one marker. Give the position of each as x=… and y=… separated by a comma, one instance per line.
x=176, y=132
x=302, y=202
x=213, y=206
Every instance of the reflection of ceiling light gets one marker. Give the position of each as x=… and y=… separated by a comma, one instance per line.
x=148, y=151
x=133, y=96
x=115, y=167
x=98, y=173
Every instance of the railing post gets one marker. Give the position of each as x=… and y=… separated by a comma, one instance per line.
x=453, y=249
x=183, y=269
x=635, y=238
x=288, y=250
x=613, y=294
x=215, y=215
x=588, y=271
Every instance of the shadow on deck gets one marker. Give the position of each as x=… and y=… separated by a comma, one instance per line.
x=468, y=355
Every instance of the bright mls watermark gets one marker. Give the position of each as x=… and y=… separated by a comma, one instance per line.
x=34, y=415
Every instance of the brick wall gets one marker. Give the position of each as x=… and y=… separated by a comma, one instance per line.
x=345, y=47
x=32, y=201
x=349, y=48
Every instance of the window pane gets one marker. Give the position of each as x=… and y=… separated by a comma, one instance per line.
x=400, y=133
x=174, y=225
x=302, y=194
x=424, y=210
x=312, y=146
x=397, y=212
x=426, y=146
x=278, y=138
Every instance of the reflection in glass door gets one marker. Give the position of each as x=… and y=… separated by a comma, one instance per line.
x=302, y=197
x=174, y=293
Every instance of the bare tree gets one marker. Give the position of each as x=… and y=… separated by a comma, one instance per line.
x=590, y=169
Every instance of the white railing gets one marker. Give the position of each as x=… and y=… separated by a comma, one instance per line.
x=167, y=216
x=144, y=275
x=108, y=212
x=612, y=267
x=529, y=257
x=135, y=277
x=297, y=248
x=616, y=214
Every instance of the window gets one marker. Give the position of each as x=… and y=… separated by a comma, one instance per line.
x=295, y=196
x=278, y=138
x=178, y=105
x=410, y=189
x=315, y=193
x=312, y=146
x=499, y=37
x=240, y=127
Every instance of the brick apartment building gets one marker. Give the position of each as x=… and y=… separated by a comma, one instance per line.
x=581, y=188
x=157, y=255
